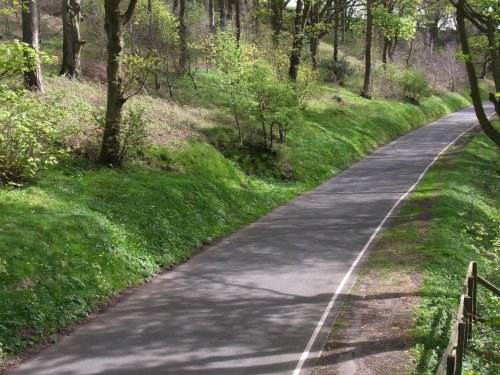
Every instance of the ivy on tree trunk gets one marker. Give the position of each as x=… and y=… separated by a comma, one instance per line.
x=114, y=24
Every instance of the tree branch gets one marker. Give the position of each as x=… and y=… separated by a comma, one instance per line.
x=143, y=83
x=130, y=11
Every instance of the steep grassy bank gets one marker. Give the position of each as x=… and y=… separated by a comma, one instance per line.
x=81, y=234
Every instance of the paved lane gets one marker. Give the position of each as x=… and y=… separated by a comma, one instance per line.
x=253, y=303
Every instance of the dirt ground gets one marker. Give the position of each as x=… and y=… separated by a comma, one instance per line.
x=372, y=334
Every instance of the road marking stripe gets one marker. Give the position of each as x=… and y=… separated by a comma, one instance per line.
x=321, y=322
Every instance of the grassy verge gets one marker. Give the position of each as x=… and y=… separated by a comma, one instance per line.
x=464, y=227
x=80, y=234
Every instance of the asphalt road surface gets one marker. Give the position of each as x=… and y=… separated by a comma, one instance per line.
x=260, y=301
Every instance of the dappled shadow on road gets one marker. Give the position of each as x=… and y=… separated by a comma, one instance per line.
x=186, y=331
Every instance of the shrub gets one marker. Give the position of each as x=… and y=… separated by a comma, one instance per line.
x=388, y=80
x=28, y=139
x=306, y=85
x=414, y=85
x=132, y=131
x=233, y=59
x=277, y=103
x=337, y=71
x=16, y=57
x=261, y=99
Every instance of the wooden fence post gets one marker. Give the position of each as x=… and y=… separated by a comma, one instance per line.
x=470, y=305
x=468, y=320
x=474, y=291
x=462, y=332
x=450, y=365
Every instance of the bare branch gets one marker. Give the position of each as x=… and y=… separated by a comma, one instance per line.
x=143, y=83
x=130, y=11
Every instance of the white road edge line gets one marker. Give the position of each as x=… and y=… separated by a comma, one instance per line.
x=320, y=324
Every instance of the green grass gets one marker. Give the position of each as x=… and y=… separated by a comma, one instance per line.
x=333, y=137
x=464, y=227
x=79, y=234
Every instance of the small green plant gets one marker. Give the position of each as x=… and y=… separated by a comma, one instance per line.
x=414, y=85
x=132, y=132
x=28, y=139
x=484, y=239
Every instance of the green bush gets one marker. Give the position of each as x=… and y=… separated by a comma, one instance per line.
x=16, y=57
x=132, y=132
x=277, y=103
x=337, y=71
x=28, y=139
x=306, y=85
x=388, y=80
x=414, y=85
x=261, y=100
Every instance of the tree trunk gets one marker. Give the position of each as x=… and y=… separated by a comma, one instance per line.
x=408, y=57
x=387, y=44
x=366, y=93
x=72, y=41
x=222, y=16
x=297, y=42
x=237, y=21
x=150, y=6
x=392, y=48
x=336, y=26
x=229, y=12
x=33, y=78
x=343, y=22
x=183, y=56
x=114, y=24
x=256, y=9
x=7, y=26
x=276, y=18
x=494, y=51
x=484, y=67
x=486, y=125
x=313, y=20
x=313, y=49
x=211, y=16
x=434, y=29
x=175, y=7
